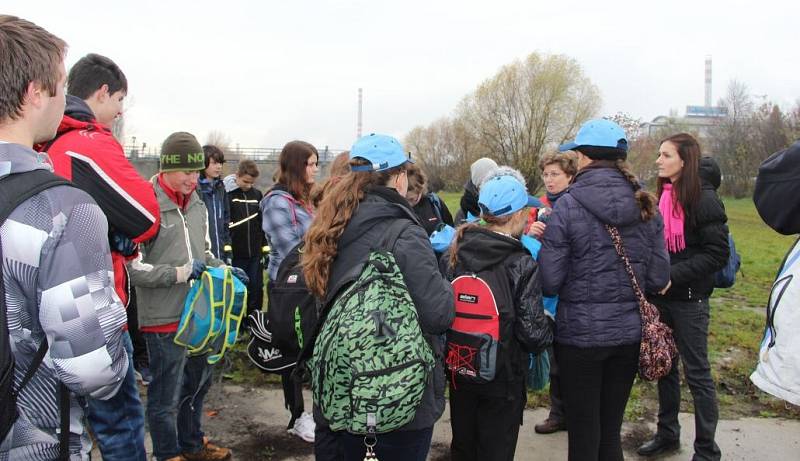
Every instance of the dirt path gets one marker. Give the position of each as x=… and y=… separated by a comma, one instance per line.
x=253, y=423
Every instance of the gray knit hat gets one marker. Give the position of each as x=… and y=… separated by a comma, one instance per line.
x=480, y=169
x=181, y=152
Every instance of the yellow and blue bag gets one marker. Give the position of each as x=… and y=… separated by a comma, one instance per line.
x=212, y=314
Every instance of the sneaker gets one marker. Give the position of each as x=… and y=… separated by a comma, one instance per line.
x=304, y=427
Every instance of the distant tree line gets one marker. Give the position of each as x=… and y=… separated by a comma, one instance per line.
x=514, y=117
x=531, y=106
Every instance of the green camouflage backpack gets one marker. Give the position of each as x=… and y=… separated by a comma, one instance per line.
x=371, y=362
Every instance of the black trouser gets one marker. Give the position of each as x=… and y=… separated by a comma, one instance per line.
x=139, y=346
x=556, y=399
x=596, y=383
x=486, y=426
x=689, y=322
x=393, y=446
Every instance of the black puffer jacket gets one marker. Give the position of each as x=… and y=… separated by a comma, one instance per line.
x=480, y=250
x=429, y=290
x=692, y=269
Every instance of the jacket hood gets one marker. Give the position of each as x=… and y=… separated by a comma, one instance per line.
x=377, y=206
x=16, y=158
x=78, y=116
x=230, y=183
x=481, y=248
x=710, y=172
x=606, y=194
x=469, y=201
x=78, y=109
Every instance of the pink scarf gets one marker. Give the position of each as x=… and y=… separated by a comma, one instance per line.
x=672, y=212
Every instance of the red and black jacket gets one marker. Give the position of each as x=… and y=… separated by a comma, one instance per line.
x=86, y=153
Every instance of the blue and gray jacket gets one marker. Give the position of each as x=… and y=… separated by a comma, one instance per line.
x=212, y=191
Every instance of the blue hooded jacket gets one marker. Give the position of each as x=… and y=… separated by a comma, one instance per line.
x=597, y=306
x=212, y=191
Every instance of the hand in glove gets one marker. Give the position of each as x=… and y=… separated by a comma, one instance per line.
x=122, y=244
x=240, y=274
x=198, y=267
x=190, y=270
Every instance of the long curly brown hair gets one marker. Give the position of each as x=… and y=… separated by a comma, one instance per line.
x=333, y=215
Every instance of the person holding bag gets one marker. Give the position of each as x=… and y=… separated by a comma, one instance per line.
x=598, y=323
x=697, y=239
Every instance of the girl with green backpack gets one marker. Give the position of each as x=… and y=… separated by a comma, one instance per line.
x=366, y=251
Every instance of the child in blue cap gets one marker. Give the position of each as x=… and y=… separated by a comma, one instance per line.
x=499, y=321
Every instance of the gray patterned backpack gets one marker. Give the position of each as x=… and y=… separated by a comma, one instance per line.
x=371, y=362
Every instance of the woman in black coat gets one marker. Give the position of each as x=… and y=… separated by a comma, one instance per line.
x=697, y=240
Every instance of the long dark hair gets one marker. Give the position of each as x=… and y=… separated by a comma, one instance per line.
x=292, y=168
x=647, y=202
x=333, y=215
x=687, y=186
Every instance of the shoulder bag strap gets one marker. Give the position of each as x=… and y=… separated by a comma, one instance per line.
x=617, y=239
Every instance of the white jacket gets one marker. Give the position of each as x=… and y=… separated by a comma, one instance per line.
x=778, y=370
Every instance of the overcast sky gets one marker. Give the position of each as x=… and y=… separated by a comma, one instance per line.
x=268, y=72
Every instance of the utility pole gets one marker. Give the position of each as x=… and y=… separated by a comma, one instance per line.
x=360, y=112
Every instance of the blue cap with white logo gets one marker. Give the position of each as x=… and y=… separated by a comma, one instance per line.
x=503, y=195
x=380, y=150
x=598, y=133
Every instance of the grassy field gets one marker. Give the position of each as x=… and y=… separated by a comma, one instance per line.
x=737, y=325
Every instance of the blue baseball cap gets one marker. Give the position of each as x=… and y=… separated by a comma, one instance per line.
x=380, y=150
x=598, y=133
x=503, y=195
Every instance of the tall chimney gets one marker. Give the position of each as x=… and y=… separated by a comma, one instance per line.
x=708, y=80
x=360, y=113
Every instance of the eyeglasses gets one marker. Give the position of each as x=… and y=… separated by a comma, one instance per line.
x=551, y=175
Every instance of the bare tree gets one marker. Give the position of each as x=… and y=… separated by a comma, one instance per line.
x=528, y=107
x=221, y=140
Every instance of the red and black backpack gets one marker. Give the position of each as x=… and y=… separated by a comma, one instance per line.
x=478, y=342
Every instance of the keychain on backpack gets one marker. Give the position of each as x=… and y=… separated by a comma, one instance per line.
x=370, y=456
x=370, y=440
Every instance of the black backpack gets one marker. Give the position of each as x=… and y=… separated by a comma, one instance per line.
x=479, y=343
x=292, y=309
x=14, y=190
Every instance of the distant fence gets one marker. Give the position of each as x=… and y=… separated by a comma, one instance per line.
x=259, y=154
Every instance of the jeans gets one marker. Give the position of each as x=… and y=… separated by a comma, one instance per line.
x=689, y=322
x=196, y=382
x=167, y=361
x=118, y=423
x=485, y=426
x=596, y=383
x=556, y=399
x=255, y=287
x=393, y=446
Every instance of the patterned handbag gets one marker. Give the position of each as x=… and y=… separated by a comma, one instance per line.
x=657, y=348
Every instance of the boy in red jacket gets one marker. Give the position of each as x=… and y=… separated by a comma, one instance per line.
x=86, y=152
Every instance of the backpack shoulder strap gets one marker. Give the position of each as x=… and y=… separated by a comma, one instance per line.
x=16, y=189
x=392, y=233
x=436, y=202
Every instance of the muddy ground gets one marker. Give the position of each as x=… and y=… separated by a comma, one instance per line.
x=252, y=422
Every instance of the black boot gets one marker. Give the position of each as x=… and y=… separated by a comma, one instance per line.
x=657, y=446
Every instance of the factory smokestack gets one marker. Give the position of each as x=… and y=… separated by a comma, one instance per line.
x=708, y=81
